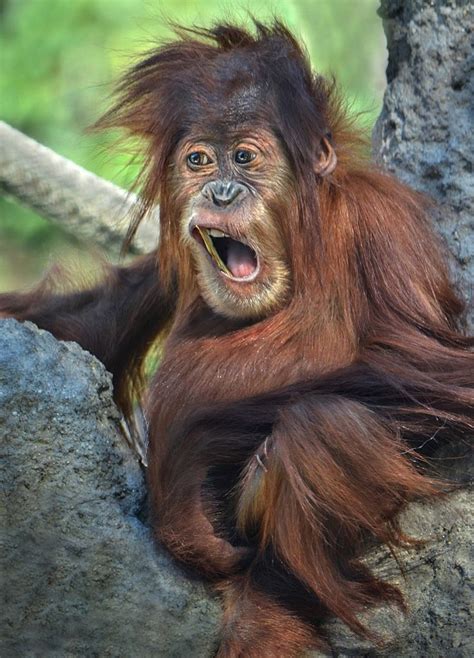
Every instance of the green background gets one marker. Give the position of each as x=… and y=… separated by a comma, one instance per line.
x=58, y=59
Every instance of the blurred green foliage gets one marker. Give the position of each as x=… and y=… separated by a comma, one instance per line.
x=59, y=57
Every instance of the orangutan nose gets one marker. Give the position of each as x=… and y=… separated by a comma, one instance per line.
x=223, y=193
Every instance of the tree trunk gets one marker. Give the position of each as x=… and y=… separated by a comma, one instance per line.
x=425, y=133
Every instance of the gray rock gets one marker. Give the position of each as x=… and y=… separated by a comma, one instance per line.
x=425, y=133
x=80, y=573
x=436, y=580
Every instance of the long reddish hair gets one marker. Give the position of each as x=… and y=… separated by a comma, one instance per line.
x=317, y=462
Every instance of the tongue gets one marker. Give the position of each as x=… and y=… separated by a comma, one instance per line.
x=240, y=260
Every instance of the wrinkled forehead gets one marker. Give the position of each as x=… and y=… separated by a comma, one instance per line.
x=228, y=98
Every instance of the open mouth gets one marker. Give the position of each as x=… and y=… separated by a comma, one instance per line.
x=233, y=258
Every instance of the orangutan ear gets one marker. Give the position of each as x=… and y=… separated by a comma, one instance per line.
x=326, y=160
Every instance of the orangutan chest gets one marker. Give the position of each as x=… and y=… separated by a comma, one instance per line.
x=202, y=374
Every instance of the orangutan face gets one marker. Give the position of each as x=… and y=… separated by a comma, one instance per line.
x=235, y=193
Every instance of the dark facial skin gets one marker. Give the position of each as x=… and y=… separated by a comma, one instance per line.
x=235, y=191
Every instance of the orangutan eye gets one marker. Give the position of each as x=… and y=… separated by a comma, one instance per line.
x=198, y=159
x=242, y=156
